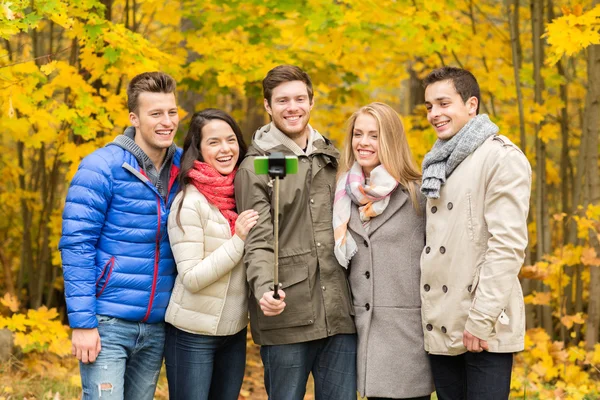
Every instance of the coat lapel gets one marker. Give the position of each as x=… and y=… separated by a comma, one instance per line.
x=397, y=200
x=355, y=224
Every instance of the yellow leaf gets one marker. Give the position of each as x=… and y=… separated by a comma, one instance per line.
x=11, y=109
x=11, y=302
x=10, y=15
x=569, y=320
x=75, y=381
x=49, y=67
x=559, y=217
x=549, y=132
x=589, y=257
x=538, y=298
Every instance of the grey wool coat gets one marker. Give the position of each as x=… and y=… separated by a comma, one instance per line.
x=384, y=280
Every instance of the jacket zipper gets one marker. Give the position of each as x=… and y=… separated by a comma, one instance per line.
x=112, y=264
x=156, y=261
x=173, y=175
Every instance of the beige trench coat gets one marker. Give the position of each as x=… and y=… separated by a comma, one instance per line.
x=475, y=245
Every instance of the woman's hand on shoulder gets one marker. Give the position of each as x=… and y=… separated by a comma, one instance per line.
x=245, y=221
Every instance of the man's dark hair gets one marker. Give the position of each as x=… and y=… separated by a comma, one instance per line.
x=153, y=82
x=464, y=82
x=282, y=74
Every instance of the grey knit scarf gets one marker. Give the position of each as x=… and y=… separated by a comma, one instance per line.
x=446, y=155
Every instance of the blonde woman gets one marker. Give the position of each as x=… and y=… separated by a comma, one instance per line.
x=379, y=231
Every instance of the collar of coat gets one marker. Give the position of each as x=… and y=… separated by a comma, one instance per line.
x=397, y=199
x=269, y=139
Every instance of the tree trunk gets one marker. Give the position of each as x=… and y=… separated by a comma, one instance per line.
x=592, y=117
x=512, y=10
x=542, y=221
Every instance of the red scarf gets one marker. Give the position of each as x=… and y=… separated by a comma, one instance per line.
x=217, y=189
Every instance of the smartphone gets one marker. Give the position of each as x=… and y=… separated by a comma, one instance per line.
x=261, y=165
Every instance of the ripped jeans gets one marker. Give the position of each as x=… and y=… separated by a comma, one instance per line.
x=129, y=362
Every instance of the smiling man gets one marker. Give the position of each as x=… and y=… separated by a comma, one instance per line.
x=117, y=262
x=478, y=185
x=310, y=329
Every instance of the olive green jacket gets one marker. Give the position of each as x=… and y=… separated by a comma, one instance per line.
x=317, y=299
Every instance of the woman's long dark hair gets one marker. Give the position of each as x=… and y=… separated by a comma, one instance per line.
x=191, y=146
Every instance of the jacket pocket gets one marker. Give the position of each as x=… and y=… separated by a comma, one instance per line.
x=475, y=282
x=104, y=275
x=299, y=308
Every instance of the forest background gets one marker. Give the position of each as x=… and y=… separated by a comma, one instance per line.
x=64, y=67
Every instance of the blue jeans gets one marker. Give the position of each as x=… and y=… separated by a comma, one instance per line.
x=201, y=367
x=472, y=376
x=331, y=360
x=129, y=361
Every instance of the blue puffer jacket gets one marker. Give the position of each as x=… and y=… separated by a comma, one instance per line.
x=116, y=256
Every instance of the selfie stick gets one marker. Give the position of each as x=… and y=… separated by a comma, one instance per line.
x=276, y=233
x=276, y=172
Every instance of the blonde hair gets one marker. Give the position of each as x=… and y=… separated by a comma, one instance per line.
x=394, y=152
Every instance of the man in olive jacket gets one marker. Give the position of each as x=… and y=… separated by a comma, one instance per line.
x=310, y=328
x=477, y=185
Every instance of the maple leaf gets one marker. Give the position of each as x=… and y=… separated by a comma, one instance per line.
x=9, y=14
x=569, y=320
x=11, y=302
x=538, y=298
x=589, y=257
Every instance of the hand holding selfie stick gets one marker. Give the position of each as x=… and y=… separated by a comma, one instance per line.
x=277, y=166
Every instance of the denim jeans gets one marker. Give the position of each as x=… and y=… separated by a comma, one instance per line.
x=472, y=376
x=129, y=361
x=201, y=367
x=331, y=360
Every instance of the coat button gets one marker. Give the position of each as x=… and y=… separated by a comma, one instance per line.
x=442, y=249
x=367, y=274
x=427, y=249
x=366, y=243
x=318, y=244
x=450, y=205
x=429, y=327
x=433, y=209
x=470, y=288
x=367, y=306
x=444, y=329
x=312, y=201
x=323, y=288
x=426, y=287
x=445, y=289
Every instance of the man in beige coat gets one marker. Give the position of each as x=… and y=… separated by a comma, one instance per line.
x=310, y=329
x=477, y=185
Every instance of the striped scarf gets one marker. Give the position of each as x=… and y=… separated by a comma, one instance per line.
x=372, y=199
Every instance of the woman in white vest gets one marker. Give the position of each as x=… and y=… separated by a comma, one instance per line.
x=379, y=231
x=205, y=350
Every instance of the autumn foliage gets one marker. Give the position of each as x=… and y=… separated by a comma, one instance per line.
x=64, y=67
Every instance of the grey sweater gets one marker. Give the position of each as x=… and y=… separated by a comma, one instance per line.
x=159, y=178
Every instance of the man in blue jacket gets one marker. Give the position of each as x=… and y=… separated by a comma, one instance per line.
x=117, y=263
